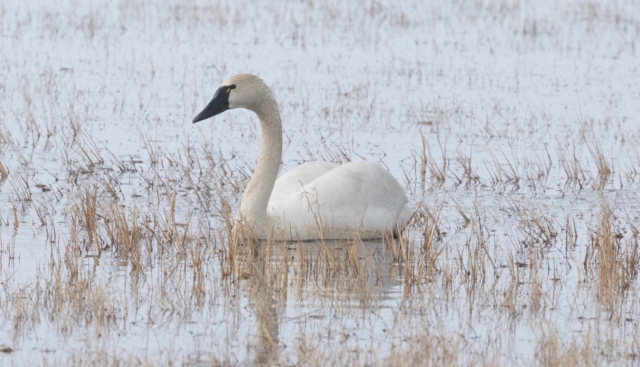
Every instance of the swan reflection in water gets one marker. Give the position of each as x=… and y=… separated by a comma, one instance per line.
x=313, y=280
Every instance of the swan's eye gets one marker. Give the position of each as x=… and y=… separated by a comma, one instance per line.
x=232, y=86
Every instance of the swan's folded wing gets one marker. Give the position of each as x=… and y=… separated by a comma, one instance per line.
x=355, y=196
x=293, y=180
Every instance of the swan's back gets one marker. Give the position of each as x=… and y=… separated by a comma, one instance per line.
x=357, y=196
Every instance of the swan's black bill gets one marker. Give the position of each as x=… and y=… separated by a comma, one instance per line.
x=218, y=104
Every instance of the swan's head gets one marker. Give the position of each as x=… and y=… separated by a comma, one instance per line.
x=239, y=91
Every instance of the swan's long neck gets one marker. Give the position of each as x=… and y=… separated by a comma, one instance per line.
x=253, y=208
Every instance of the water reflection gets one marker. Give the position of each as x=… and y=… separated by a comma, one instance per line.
x=314, y=280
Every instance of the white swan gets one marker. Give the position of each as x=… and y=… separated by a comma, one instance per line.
x=316, y=200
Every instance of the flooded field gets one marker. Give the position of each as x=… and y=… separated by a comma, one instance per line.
x=513, y=125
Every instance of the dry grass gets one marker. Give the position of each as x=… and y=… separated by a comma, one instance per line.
x=118, y=239
x=178, y=262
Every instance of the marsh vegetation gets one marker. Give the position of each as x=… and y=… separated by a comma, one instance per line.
x=512, y=125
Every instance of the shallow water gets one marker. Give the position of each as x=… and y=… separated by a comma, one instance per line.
x=97, y=102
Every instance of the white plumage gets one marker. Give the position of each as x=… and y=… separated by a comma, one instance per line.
x=316, y=199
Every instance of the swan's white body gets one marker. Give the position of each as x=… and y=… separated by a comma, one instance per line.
x=357, y=196
x=316, y=200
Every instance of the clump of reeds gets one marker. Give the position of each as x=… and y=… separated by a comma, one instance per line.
x=471, y=177
x=573, y=169
x=602, y=164
x=535, y=224
x=4, y=173
x=427, y=162
x=613, y=258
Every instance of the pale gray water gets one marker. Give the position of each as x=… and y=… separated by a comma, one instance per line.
x=512, y=85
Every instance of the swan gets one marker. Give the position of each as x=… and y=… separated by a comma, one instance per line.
x=315, y=200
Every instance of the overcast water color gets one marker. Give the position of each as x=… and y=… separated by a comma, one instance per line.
x=513, y=125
